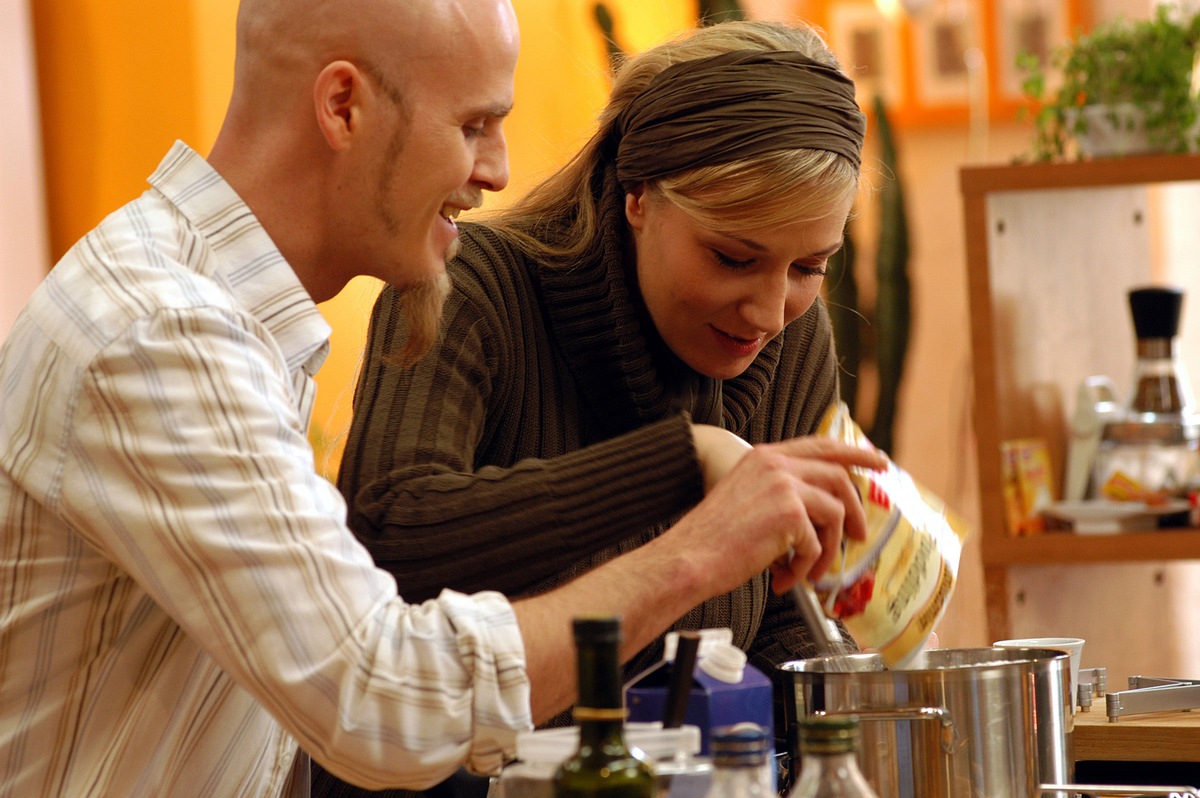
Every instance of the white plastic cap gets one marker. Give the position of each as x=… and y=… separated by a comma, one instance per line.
x=725, y=662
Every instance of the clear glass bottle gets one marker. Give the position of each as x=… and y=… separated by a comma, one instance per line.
x=1153, y=453
x=604, y=765
x=829, y=760
x=742, y=762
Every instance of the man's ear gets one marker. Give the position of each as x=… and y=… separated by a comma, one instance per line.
x=337, y=99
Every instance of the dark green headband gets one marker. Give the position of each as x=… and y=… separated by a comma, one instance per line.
x=727, y=107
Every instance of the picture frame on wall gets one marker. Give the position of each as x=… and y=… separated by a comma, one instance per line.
x=943, y=61
x=946, y=36
x=868, y=46
x=1034, y=26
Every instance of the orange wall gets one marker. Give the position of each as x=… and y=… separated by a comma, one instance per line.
x=116, y=84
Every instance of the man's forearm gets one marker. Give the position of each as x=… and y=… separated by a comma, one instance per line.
x=649, y=588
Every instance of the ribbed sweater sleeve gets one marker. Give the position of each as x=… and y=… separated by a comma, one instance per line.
x=493, y=392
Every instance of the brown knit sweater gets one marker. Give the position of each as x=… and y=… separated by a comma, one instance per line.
x=548, y=431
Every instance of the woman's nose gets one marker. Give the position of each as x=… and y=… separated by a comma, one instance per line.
x=766, y=307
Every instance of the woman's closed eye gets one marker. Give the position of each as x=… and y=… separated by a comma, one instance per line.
x=811, y=270
x=730, y=262
x=816, y=269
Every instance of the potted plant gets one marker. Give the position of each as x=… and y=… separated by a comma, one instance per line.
x=1134, y=82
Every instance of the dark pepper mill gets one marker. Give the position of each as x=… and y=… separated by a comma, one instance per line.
x=1160, y=385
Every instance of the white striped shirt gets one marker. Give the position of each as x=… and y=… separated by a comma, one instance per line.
x=180, y=599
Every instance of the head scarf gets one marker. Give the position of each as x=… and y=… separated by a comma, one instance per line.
x=709, y=111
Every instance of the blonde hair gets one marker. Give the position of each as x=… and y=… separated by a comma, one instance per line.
x=558, y=220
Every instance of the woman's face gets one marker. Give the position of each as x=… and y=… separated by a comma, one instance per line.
x=716, y=299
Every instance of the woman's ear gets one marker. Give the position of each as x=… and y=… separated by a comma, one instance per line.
x=635, y=208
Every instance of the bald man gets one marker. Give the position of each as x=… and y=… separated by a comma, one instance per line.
x=182, y=608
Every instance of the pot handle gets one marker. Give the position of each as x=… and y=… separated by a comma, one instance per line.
x=1118, y=789
x=950, y=742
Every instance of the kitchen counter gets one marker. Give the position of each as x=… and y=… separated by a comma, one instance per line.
x=1158, y=737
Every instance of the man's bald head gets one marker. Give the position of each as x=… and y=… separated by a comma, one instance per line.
x=286, y=42
x=358, y=129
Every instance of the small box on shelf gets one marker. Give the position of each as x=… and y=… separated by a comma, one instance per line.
x=1028, y=485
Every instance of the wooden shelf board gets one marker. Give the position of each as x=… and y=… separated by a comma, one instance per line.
x=1051, y=548
x=1158, y=737
x=1132, y=170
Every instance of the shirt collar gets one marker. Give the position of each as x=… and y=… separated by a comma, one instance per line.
x=244, y=256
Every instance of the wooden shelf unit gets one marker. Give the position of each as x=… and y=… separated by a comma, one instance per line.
x=1051, y=251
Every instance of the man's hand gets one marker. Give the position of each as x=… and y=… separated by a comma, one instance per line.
x=801, y=486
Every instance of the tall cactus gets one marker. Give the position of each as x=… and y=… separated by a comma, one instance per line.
x=893, y=303
x=604, y=19
x=708, y=12
x=714, y=11
x=842, y=298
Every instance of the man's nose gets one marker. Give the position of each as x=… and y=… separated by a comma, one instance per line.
x=491, y=165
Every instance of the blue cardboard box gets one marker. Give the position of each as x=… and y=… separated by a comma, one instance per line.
x=712, y=702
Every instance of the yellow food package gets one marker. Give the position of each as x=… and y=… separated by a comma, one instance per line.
x=1026, y=474
x=891, y=589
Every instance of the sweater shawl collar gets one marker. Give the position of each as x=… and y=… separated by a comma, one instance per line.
x=625, y=373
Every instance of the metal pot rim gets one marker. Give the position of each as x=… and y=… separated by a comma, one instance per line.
x=937, y=659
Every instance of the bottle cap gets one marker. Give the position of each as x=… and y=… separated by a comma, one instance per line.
x=598, y=628
x=741, y=745
x=1156, y=311
x=825, y=734
x=725, y=662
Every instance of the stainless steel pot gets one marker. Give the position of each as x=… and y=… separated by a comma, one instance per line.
x=966, y=723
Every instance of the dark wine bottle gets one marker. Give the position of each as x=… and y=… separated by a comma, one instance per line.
x=604, y=765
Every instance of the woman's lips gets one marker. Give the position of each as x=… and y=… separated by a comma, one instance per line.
x=734, y=346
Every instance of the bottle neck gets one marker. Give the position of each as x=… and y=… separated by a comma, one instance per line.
x=600, y=712
x=829, y=761
x=743, y=780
